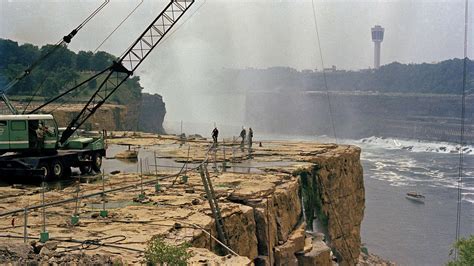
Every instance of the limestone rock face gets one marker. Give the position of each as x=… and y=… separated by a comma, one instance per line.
x=202, y=256
x=109, y=116
x=152, y=113
x=276, y=207
x=285, y=254
x=240, y=228
x=146, y=115
x=287, y=204
x=341, y=187
x=319, y=254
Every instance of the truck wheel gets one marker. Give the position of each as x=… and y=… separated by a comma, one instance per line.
x=96, y=162
x=47, y=172
x=85, y=169
x=57, y=169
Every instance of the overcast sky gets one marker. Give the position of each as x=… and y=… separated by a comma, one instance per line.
x=250, y=33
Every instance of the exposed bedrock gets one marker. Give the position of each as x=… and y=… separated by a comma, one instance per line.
x=146, y=115
x=263, y=213
x=337, y=180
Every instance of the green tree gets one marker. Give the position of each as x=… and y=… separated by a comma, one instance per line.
x=465, y=247
x=83, y=60
x=62, y=57
x=8, y=52
x=101, y=60
x=59, y=71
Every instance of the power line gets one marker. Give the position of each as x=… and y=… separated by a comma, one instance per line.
x=461, y=141
x=324, y=72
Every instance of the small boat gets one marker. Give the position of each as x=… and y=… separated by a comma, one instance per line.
x=415, y=196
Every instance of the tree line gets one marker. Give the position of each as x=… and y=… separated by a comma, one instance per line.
x=58, y=72
x=444, y=77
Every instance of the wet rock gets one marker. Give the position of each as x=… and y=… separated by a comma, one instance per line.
x=189, y=190
x=262, y=260
x=127, y=154
x=285, y=254
x=320, y=254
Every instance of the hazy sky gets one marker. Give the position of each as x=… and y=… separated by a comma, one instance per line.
x=250, y=33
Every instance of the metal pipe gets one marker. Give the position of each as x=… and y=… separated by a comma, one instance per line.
x=44, y=207
x=25, y=225
x=103, y=191
x=156, y=168
x=34, y=207
x=141, y=177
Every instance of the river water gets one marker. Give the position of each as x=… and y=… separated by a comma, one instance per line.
x=404, y=231
x=401, y=230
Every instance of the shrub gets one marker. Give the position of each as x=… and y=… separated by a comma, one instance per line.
x=159, y=252
x=465, y=247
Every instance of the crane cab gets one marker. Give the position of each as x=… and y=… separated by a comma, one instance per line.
x=20, y=133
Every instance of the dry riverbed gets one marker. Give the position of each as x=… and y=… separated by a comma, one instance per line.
x=178, y=210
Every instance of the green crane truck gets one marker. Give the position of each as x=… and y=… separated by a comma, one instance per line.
x=32, y=145
x=29, y=145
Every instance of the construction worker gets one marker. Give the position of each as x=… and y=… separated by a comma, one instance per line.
x=215, y=134
x=243, y=134
x=250, y=137
x=40, y=132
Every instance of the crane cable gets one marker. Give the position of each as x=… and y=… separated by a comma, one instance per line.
x=118, y=26
x=461, y=141
x=64, y=41
x=324, y=72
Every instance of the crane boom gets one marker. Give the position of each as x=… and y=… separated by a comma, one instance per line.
x=123, y=68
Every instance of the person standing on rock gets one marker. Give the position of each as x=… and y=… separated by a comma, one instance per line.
x=250, y=137
x=243, y=134
x=215, y=134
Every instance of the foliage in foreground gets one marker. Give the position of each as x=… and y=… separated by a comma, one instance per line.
x=465, y=247
x=158, y=252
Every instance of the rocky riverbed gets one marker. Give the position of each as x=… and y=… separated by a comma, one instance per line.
x=281, y=203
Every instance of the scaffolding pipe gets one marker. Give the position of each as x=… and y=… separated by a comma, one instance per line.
x=25, y=226
x=34, y=207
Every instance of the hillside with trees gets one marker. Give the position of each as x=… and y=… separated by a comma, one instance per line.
x=58, y=72
x=438, y=78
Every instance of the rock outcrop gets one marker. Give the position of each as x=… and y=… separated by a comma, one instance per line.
x=147, y=115
x=152, y=113
x=336, y=180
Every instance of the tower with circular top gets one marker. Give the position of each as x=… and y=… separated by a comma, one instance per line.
x=377, y=38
